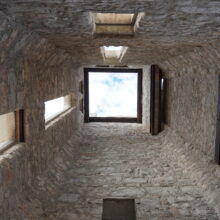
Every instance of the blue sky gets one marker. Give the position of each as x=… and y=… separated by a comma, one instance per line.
x=113, y=94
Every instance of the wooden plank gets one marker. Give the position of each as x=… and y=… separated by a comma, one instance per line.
x=113, y=119
x=152, y=104
x=217, y=140
x=218, y=109
x=163, y=100
x=139, y=97
x=19, y=126
x=86, y=95
x=155, y=108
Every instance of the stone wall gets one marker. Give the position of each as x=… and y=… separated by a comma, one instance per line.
x=192, y=109
x=118, y=161
x=32, y=71
x=192, y=97
x=169, y=28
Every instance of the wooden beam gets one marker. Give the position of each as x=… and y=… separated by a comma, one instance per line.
x=155, y=103
x=139, y=97
x=86, y=95
x=19, y=126
x=217, y=139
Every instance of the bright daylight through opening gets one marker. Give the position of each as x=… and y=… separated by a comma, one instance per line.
x=54, y=107
x=113, y=94
x=113, y=52
x=114, y=18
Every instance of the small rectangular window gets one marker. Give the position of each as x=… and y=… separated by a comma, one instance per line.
x=7, y=125
x=55, y=107
x=117, y=23
x=113, y=95
x=11, y=129
x=113, y=54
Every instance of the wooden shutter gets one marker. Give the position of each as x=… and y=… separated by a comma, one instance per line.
x=163, y=100
x=157, y=108
x=217, y=141
x=19, y=125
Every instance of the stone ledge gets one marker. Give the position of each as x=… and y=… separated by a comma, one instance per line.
x=58, y=117
x=16, y=148
x=12, y=169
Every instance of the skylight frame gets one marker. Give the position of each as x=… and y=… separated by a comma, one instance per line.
x=117, y=58
x=116, y=28
x=87, y=117
x=131, y=22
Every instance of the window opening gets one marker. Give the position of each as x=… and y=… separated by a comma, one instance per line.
x=113, y=53
x=56, y=106
x=113, y=95
x=11, y=129
x=116, y=23
x=7, y=123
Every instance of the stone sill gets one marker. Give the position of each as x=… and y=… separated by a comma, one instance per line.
x=12, y=164
x=11, y=147
x=6, y=145
x=59, y=116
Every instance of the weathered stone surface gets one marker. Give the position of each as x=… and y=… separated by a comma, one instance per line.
x=69, y=197
x=191, y=113
x=169, y=28
x=32, y=71
x=172, y=176
x=101, y=163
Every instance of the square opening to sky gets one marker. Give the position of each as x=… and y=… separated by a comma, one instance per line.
x=113, y=94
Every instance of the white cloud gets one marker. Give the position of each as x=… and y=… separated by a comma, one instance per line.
x=113, y=94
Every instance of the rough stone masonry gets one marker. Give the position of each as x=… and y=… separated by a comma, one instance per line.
x=64, y=171
x=117, y=161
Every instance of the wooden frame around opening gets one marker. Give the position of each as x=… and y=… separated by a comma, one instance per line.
x=158, y=100
x=138, y=119
x=217, y=137
x=19, y=126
